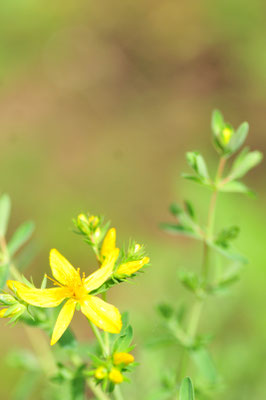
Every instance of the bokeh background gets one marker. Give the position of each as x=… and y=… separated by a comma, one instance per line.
x=99, y=101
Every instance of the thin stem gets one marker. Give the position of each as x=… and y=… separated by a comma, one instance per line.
x=195, y=317
x=211, y=218
x=98, y=337
x=198, y=305
x=106, y=334
x=96, y=390
x=118, y=394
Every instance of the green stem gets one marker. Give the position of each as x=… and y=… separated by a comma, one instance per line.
x=211, y=218
x=99, y=338
x=96, y=390
x=106, y=334
x=198, y=305
x=118, y=394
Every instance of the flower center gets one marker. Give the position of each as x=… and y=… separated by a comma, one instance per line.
x=78, y=292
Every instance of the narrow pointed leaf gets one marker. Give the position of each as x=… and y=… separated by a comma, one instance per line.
x=20, y=237
x=186, y=390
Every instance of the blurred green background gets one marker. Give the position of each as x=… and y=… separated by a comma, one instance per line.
x=99, y=101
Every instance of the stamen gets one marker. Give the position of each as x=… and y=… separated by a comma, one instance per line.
x=54, y=281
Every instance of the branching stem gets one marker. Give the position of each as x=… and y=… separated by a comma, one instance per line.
x=198, y=305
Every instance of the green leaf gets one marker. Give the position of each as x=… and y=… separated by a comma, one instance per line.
x=186, y=390
x=197, y=162
x=5, y=206
x=245, y=162
x=205, y=365
x=123, y=342
x=217, y=122
x=175, y=209
x=24, y=258
x=231, y=276
x=165, y=310
x=226, y=235
x=239, y=137
x=229, y=254
x=190, y=209
x=20, y=237
x=176, y=229
x=236, y=187
x=78, y=385
x=190, y=280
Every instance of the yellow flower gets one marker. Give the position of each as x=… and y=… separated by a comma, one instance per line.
x=100, y=373
x=109, y=243
x=76, y=290
x=123, y=358
x=115, y=376
x=131, y=267
x=128, y=268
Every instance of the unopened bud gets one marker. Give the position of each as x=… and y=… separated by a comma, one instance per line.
x=137, y=248
x=123, y=358
x=7, y=299
x=100, y=373
x=115, y=376
x=93, y=221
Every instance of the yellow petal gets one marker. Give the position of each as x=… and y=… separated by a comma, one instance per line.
x=102, y=314
x=38, y=297
x=109, y=243
x=100, y=276
x=63, y=320
x=131, y=267
x=62, y=270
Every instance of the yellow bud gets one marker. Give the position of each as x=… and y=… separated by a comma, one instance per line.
x=109, y=243
x=82, y=222
x=123, y=358
x=131, y=267
x=93, y=221
x=226, y=135
x=115, y=376
x=137, y=248
x=82, y=218
x=100, y=373
x=97, y=233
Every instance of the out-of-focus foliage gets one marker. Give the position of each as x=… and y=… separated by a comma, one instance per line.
x=99, y=101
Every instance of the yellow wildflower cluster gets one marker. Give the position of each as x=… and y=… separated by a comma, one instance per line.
x=76, y=290
x=114, y=372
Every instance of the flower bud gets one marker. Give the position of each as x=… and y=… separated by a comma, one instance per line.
x=109, y=243
x=82, y=223
x=7, y=299
x=93, y=221
x=115, y=376
x=100, y=373
x=137, y=247
x=131, y=267
x=123, y=358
